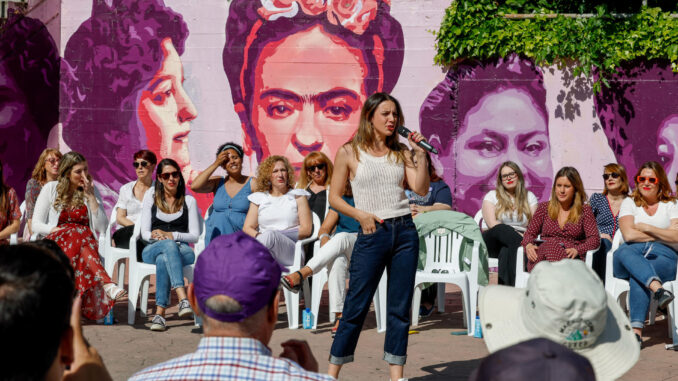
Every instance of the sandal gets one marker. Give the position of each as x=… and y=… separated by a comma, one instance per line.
x=286, y=281
x=114, y=292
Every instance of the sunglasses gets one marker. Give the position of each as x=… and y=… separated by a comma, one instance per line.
x=614, y=175
x=165, y=176
x=641, y=179
x=53, y=160
x=142, y=163
x=320, y=166
x=508, y=176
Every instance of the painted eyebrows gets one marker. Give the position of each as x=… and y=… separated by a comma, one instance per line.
x=321, y=98
x=155, y=82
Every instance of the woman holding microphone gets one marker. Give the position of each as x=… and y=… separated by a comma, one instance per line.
x=378, y=167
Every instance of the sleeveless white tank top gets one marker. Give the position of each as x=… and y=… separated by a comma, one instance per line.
x=378, y=186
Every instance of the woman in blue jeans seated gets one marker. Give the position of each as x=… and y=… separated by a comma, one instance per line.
x=169, y=222
x=606, y=207
x=648, y=221
x=379, y=167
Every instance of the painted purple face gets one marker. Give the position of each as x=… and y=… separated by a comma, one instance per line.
x=667, y=145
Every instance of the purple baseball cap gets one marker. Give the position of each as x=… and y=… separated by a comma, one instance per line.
x=238, y=266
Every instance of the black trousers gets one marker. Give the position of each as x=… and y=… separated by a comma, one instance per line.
x=122, y=236
x=502, y=242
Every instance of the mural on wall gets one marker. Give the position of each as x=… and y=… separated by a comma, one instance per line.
x=29, y=96
x=290, y=76
x=300, y=70
x=483, y=114
x=639, y=114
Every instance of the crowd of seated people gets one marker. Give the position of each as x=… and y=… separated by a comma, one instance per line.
x=63, y=205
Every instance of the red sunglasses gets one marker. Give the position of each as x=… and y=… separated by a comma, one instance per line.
x=642, y=179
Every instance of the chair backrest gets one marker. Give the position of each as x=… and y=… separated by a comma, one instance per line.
x=200, y=245
x=316, y=225
x=133, y=243
x=478, y=218
x=443, y=247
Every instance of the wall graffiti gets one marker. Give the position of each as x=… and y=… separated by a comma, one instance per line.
x=180, y=77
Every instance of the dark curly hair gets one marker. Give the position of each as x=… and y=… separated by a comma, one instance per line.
x=381, y=44
x=110, y=58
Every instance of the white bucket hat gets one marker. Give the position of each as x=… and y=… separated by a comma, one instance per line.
x=564, y=302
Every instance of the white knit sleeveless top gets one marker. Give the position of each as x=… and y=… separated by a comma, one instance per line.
x=378, y=186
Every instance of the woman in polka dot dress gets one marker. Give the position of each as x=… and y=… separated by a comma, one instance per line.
x=606, y=207
x=566, y=224
x=68, y=212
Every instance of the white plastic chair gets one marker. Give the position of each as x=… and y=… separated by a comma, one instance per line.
x=443, y=248
x=523, y=276
x=14, y=238
x=113, y=255
x=139, y=276
x=321, y=278
x=291, y=298
x=491, y=262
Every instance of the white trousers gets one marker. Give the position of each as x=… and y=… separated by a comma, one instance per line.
x=335, y=254
x=280, y=245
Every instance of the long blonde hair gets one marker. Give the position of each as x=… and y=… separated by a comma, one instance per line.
x=39, y=172
x=364, y=136
x=265, y=170
x=505, y=205
x=578, y=201
x=65, y=198
x=314, y=157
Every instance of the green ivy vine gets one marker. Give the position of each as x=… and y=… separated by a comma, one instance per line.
x=481, y=30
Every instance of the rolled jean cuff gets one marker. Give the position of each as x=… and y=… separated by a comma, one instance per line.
x=340, y=360
x=637, y=324
x=647, y=284
x=394, y=360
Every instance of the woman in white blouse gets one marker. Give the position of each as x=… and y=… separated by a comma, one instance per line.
x=506, y=211
x=648, y=221
x=279, y=215
x=169, y=222
x=128, y=208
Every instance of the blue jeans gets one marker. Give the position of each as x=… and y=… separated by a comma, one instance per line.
x=169, y=258
x=394, y=246
x=641, y=263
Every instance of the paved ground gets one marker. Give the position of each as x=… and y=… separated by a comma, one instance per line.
x=433, y=354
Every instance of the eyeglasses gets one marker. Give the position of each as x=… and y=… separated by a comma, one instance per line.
x=320, y=166
x=642, y=179
x=614, y=175
x=53, y=160
x=508, y=176
x=165, y=176
x=142, y=163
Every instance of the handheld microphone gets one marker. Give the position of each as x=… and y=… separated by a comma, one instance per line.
x=405, y=132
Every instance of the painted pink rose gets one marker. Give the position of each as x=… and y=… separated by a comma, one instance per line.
x=354, y=15
x=274, y=9
x=313, y=7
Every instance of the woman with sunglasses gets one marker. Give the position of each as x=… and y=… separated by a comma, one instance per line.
x=606, y=207
x=279, y=215
x=169, y=222
x=648, y=221
x=565, y=222
x=46, y=170
x=230, y=205
x=316, y=172
x=507, y=211
x=69, y=211
x=128, y=207
x=10, y=214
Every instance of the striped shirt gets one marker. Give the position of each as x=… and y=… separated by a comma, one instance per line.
x=228, y=358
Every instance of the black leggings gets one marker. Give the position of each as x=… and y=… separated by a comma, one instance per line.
x=502, y=242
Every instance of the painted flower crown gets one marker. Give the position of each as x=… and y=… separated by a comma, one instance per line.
x=354, y=15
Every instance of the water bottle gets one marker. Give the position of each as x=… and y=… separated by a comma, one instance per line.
x=108, y=319
x=307, y=319
x=478, y=331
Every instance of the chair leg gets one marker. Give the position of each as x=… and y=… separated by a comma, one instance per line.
x=416, y=300
x=380, y=304
x=319, y=280
x=132, y=299
x=121, y=273
x=144, y=297
x=440, y=297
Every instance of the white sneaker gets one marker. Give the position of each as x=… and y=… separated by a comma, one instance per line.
x=158, y=323
x=185, y=309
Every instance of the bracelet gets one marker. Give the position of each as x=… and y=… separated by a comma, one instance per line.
x=324, y=235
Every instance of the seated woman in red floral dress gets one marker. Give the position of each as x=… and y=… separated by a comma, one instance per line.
x=68, y=211
x=566, y=223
